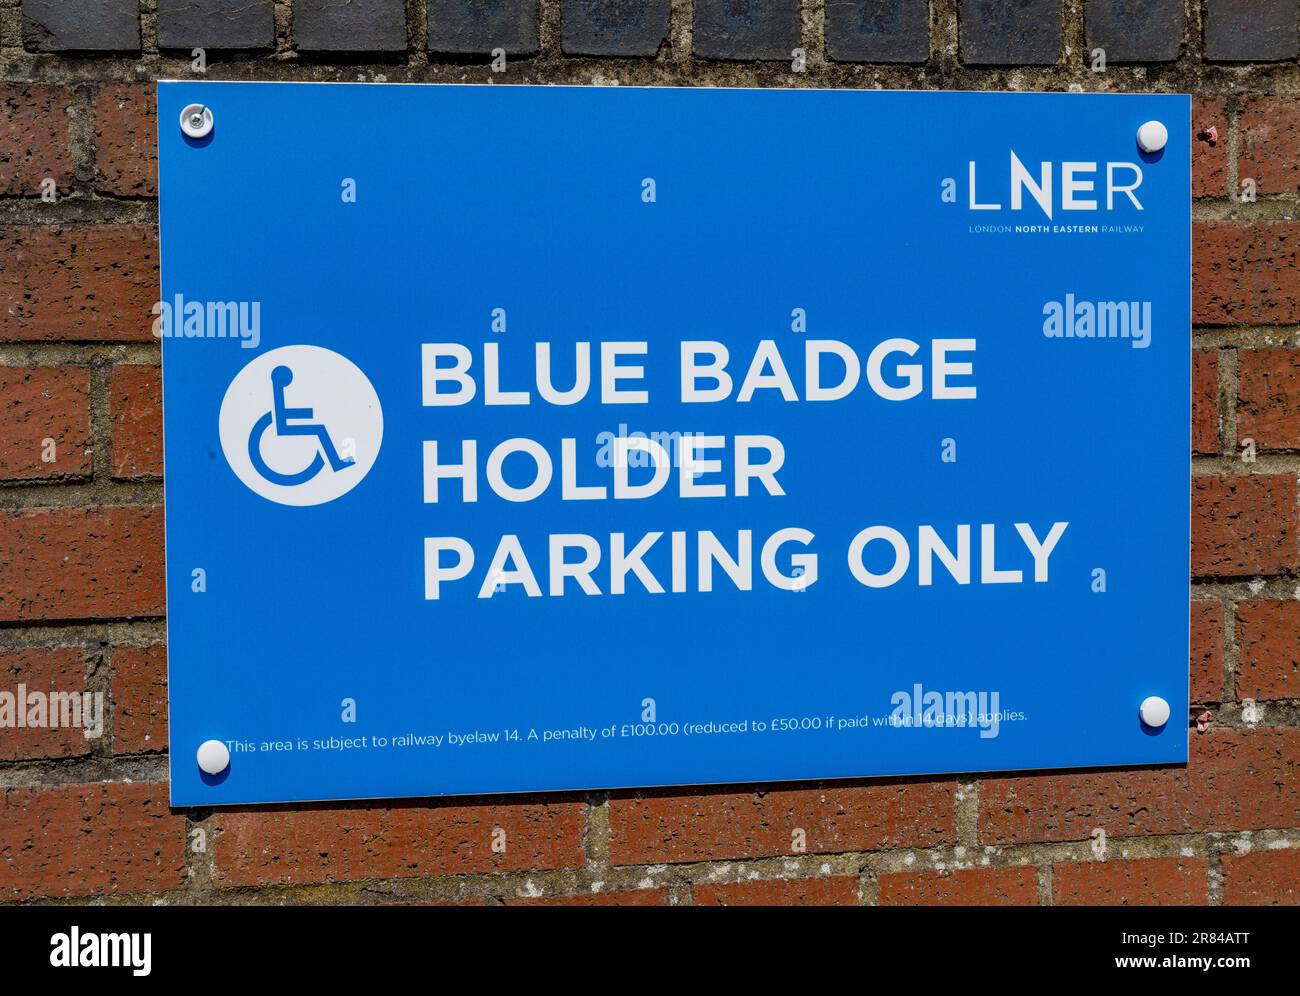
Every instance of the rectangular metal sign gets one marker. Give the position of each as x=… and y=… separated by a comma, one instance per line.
x=545, y=438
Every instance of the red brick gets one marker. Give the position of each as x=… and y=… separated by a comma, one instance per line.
x=39, y=404
x=278, y=846
x=34, y=142
x=78, y=282
x=81, y=563
x=1205, y=401
x=1145, y=882
x=1207, y=651
x=1268, y=397
x=628, y=897
x=88, y=840
x=126, y=140
x=1236, y=780
x=1243, y=525
x=43, y=670
x=964, y=887
x=1268, y=645
x=1262, y=878
x=1268, y=144
x=135, y=407
x=830, y=890
x=711, y=825
x=1245, y=271
x=139, y=698
x=1209, y=154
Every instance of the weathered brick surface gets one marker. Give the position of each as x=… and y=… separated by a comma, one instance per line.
x=1243, y=525
x=746, y=29
x=357, y=26
x=480, y=901
x=1245, y=272
x=1235, y=780
x=216, y=24
x=44, y=423
x=962, y=887
x=89, y=840
x=1268, y=650
x=878, y=30
x=478, y=28
x=1146, y=31
x=135, y=407
x=139, y=698
x=1207, y=642
x=828, y=890
x=1268, y=397
x=1205, y=401
x=78, y=282
x=614, y=27
x=629, y=897
x=1209, y=147
x=81, y=563
x=342, y=843
x=704, y=825
x=81, y=25
x=1262, y=878
x=34, y=141
x=126, y=140
x=1144, y=882
x=1269, y=144
x=1250, y=30
x=44, y=670
x=1010, y=32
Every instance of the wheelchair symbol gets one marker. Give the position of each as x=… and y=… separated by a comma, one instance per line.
x=281, y=416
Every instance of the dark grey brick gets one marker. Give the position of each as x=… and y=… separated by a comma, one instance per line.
x=216, y=24
x=613, y=27
x=81, y=25
x=1135, y=30
x=479, y=26
x=1010, y=32
x=1251, y=30
x=878, y=30
x=354, y=26
x=746, y=29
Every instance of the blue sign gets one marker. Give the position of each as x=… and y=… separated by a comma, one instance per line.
x=547, y=438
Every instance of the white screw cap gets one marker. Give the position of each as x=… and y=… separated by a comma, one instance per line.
x=214, y=758
x=1153, y=136
x=1154, y=711
x=196, y=120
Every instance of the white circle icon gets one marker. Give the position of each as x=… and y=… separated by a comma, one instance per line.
x=1152, y=137
x=301, y=425
x=1154, y=711
x=213, y=757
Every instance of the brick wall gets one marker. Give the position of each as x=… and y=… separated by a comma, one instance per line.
x=81, y=525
